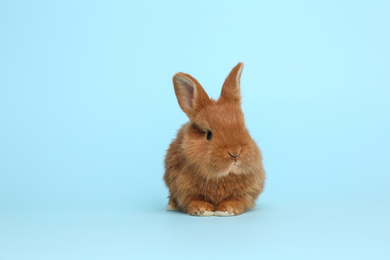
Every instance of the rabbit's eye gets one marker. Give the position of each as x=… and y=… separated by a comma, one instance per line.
x=209, y=135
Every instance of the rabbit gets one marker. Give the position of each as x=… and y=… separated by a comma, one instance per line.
x=213, y=167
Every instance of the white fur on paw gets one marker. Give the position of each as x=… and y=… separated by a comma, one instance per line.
x=205, y=213
x=223, y=213
x=170, y=208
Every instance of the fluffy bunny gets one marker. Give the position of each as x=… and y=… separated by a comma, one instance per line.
x=213, y=167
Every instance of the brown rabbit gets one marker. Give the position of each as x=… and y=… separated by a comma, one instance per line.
x=213, y=167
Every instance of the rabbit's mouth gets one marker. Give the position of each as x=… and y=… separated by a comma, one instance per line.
x=235, y=168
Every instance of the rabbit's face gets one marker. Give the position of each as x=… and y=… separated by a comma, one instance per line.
x=218, y=141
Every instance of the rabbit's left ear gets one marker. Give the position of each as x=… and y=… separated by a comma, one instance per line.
x=231, y=87
x=190, y=94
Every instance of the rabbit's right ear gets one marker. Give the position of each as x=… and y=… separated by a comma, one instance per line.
x=190, y=94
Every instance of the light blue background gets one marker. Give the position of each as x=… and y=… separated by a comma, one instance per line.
x=87, y=111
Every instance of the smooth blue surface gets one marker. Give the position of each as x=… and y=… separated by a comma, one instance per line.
x=87, y=110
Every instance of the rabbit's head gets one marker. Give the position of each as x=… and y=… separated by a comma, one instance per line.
x=216, y=141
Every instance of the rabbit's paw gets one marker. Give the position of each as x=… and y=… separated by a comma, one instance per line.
x=172, y=205
x=200, y=208
x=223, y=213
x=171, y=208
x=229, y=208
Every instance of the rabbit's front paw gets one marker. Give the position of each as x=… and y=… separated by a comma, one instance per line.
x=229, y=208
x=200, y=208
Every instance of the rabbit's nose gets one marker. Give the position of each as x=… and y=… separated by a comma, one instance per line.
x=234, y=151
x=233, y=156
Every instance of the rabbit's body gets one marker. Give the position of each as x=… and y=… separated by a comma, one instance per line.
x=213, y=167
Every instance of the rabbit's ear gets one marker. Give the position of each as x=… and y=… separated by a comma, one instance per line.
x=190, y=94
x=231, y=86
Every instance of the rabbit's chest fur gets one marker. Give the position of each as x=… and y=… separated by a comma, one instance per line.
x=187, y=185
x=216, y=190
